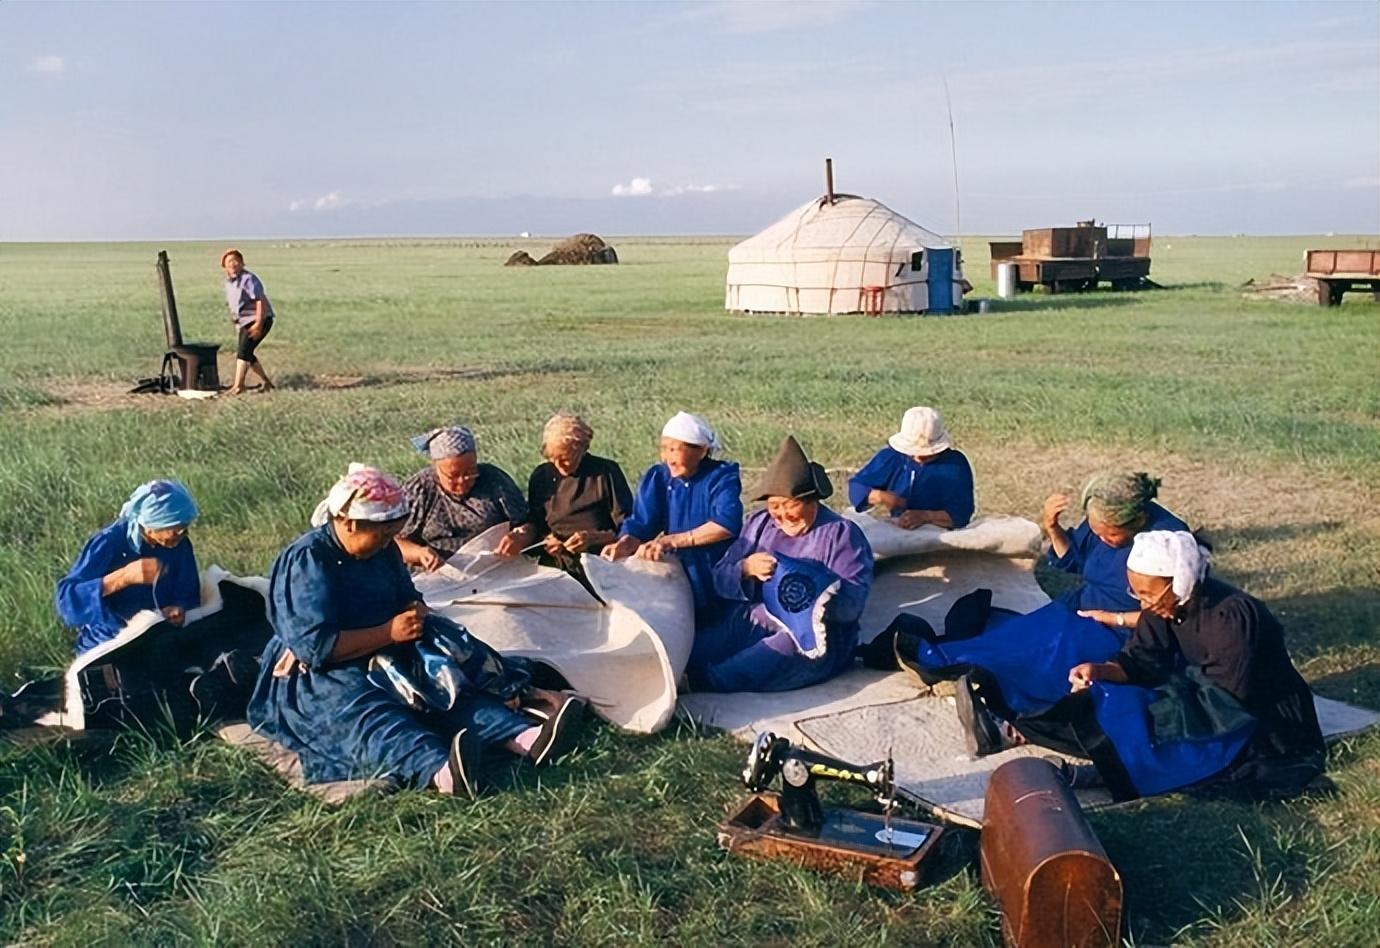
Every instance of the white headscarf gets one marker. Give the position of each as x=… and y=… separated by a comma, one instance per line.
x=1173, y=554
x=692, y=429
x=364, y=493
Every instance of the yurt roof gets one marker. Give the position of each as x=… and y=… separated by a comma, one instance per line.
x=851, y=227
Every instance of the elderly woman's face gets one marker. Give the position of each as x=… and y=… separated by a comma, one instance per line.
x=680, y=458
x=566, y=455
x=1155, y=593
x=167, y=537
x=457, y=475
x=792, y=515
x=363, y=539
x=1115, y=537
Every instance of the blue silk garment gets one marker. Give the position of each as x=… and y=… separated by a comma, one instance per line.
x=945, y=483
x=667, y=504
x=747, y=649
x=98, y=618
x=340, y=724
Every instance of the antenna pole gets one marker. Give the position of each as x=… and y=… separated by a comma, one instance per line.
x=829, y=179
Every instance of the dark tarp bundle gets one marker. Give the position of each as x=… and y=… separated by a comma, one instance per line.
x=436, y=670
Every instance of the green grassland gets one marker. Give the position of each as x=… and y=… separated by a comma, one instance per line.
x=1262, y=417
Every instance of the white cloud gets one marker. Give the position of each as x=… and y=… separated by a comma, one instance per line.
x=637, y=187
x=642, y=187
x=325, y=202
x=52, y=65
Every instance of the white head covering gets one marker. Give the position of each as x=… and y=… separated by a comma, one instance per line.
x=692, y=429
x=364, y=493
x=922, y=433
x=1173, y=554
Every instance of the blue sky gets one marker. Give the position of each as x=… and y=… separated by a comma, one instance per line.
x=164, y=121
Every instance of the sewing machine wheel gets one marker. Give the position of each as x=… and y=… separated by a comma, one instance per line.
x=757, y=774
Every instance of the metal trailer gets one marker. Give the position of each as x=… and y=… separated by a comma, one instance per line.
x=1078, y=258
x=1340, y=271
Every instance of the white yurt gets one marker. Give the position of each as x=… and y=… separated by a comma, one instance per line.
x=844, y=254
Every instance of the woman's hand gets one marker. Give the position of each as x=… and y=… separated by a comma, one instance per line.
x=626, y=546
x=174, y=614
x=552, y=544
x=255, y=329
x=655, y=550
x=1082, y=676
x=912, y=519
x=888, y=499
x=406, y=626
x=510, y=546
x=141, y=572
x=429, y=560
x=1055, y=504
x=1116, y=620
x=759, y=566
x=578, y=541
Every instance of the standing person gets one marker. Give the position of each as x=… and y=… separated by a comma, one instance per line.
x=690, y=504
x=252, y=314
x=919, y=477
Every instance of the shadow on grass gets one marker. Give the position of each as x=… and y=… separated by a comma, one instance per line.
x=1235, y=538
x=1359, y=685
x=301, y=381
x=1187, y=864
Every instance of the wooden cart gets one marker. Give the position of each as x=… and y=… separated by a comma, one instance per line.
x=1340, y=271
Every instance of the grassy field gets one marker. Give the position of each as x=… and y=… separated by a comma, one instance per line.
x=1263, y=418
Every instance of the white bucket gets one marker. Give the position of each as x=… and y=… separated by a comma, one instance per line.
x=1006, y=280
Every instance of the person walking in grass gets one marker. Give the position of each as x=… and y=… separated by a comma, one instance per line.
x=252, y=314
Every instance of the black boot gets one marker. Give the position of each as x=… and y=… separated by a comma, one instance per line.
x=983, y=732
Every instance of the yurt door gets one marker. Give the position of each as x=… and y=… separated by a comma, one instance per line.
x=941, y=279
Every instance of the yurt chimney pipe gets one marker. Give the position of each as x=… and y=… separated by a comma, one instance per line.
x=829, y=179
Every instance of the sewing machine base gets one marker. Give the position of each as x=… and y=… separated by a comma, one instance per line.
x=847, y=842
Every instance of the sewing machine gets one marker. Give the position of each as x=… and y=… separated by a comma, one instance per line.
x=793, y=824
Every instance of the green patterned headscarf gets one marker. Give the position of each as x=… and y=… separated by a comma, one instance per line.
x=1118, y=499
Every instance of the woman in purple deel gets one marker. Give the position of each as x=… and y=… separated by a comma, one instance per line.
x=252, y=314
x=793, y=587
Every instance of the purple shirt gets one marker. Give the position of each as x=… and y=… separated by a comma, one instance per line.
x=241, y=294
x=831, y=540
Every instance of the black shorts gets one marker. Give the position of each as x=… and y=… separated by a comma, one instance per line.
x=245, y=346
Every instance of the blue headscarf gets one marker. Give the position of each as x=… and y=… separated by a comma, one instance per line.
x=157, y=505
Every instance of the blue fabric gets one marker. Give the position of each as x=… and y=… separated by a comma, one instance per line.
x=98, y=618
x=743, y=649
x=667, y=504
x=1103, y=567
x=1028, y=656
x=792, y=595
x=944, y=483
x=339, y=724
x=1123, y=713
x=157, y=505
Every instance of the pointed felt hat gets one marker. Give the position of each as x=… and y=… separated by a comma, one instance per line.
x=792, y=474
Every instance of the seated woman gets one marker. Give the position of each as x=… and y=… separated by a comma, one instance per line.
x=689, y=504
x=143, y=560
x=1228, y=709
x=801, y=548
x=455, y=499
x=577, y=500
x=1116, y=507
x=919, y=477
x=338, y=595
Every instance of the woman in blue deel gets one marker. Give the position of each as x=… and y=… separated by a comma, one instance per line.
x=339, y=595
x=690, y=505
x=919, y=477
x=143, y=560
